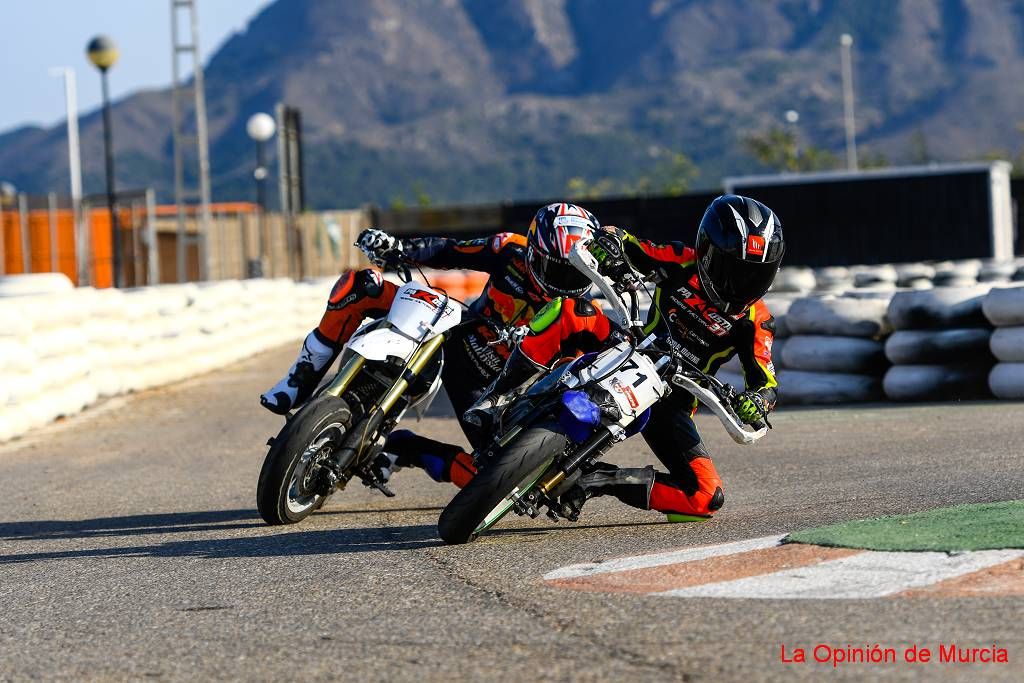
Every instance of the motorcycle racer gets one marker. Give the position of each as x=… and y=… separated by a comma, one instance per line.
x=526, y=273
x=708, y=299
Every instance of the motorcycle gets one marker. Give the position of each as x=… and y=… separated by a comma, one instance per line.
x=567, y=420
x=388, y=366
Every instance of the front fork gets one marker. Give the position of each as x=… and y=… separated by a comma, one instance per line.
x=355, y=444
x=544, y=491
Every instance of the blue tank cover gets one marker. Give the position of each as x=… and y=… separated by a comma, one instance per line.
x=579, y=416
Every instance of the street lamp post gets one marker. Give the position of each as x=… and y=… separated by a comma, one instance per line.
x=103, y=53
x=792, y=117
x=845, y=43
x=261, y=127
x=74, y=165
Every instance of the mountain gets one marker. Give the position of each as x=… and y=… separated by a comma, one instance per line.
x=473, y=100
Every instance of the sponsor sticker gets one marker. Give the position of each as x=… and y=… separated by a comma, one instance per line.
x=626, y=391
x=755, y=245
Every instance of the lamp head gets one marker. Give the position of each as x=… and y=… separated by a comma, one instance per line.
x=102, y=52
x=261, y=127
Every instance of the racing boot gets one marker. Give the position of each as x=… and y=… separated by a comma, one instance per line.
x=384, y=465
x=631, y=485
x=443, y=462
x=309, y=368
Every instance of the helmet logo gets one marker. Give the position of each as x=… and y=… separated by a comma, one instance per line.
x=755, y=245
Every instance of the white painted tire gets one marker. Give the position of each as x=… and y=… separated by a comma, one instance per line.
x=798, y=387
x=874, y=276
x=838, y=317
x=938, y=347
x=936, y=382
x=938, y=308
x=1007, y=344
x=1004, y=306
x=997, y=271
x=1006, y=381
x=33, y=284
x=851, y=355
x=794, y=279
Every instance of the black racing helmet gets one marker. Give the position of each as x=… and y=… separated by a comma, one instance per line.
x=553, y=231
x=739, y=251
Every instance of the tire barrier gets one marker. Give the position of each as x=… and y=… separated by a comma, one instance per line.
x=800, y=387
x=957, y=273
x=778, y=306
x=997, y=271
x=839, y=317
x=884, y=277
x=62, y=349
x=937, y=382
x=1004, y=306
x=915, y=275
x=940, y=308
x=794, y=279
x=845, y=355
x=938, y=347
x=833, y=279
x=1006, y=381
x=1007, y=344
x=33, y=284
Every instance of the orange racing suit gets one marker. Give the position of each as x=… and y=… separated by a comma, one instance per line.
x=692, y=486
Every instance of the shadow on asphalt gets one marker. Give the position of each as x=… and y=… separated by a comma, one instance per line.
x=130, y=525
x=528, y=531
x=295, y=543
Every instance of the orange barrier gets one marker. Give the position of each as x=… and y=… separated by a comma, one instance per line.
x=41, y=250
x=475, y=282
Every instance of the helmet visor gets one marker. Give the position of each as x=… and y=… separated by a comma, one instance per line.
x=556, y=275
x=737, y=283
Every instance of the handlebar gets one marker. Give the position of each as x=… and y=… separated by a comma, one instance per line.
x=390, y=260
x=581, y=258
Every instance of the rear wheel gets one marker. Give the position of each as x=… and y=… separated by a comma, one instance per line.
x=494, y=491
x=291, y=484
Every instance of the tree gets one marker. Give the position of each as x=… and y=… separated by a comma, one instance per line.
x=777, y=148
x=670, y=177
x=917, y=149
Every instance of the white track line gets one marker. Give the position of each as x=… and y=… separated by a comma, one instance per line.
x=660, y=559
x=865, y=575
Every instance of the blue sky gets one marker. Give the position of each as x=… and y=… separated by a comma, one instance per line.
x=38, y=34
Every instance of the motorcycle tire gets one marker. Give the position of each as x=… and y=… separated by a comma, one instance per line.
x=277, y=495
x=516, y=467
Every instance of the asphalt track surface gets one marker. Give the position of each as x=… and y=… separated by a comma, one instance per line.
x=130, y=549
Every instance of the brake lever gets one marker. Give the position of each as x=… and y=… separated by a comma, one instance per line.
x=510, y=336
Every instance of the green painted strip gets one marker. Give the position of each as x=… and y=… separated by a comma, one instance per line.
x=673, y=517
x=964, y=527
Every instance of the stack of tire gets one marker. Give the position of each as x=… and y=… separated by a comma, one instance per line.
x=42, y=374
x=940, y=349
x=834, y=352
x=1004, y=308
x=63, y=348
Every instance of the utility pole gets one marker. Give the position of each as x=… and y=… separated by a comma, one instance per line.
x=183, y=196
x=74, y=166
x=845, y=43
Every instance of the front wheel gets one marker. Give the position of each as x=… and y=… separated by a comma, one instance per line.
x=291, y=484
x=494, y=491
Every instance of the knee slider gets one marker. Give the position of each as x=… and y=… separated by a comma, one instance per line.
x=717, y=500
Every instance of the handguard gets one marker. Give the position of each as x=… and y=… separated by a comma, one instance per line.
x=739, y=432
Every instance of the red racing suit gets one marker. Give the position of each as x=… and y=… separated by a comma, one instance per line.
x=510, y=297
x=708, y=337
